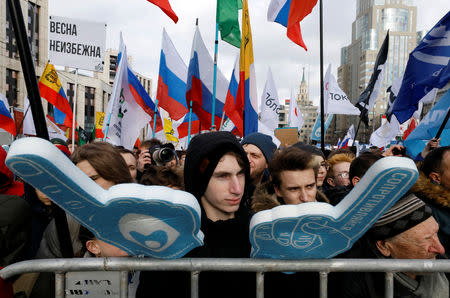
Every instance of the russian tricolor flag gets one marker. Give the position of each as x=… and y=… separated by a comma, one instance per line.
x=234, y=109
x=199, y=89
x=171, y=92
x=6, y=120
x=51, y=89
x=289, y=13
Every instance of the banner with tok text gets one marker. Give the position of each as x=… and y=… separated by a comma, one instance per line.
x=336, y=101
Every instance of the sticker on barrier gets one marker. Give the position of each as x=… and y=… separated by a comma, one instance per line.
x=153, y=221
x=320, y=230
x=92, y=284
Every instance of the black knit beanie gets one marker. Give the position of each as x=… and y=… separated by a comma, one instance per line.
x=263, y=142
x=408, y=212
x=203, y=155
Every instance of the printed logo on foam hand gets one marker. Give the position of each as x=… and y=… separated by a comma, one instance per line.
x=320, y=230
x=154, y=221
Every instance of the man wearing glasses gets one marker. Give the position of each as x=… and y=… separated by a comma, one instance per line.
x=338, y=173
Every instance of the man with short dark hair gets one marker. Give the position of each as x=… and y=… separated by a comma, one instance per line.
x=293, y=180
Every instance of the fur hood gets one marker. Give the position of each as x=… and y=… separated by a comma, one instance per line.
x=436, y=193
x=265, y=198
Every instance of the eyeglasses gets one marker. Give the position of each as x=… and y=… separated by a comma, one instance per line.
x=344, y=175
x=325, y=165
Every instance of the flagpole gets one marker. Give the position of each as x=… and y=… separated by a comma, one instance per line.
x=441, y=129
x=154, y=118
x=322, y=118
x=216, y=49
x=75, y=108
x=29, y=73
x=221, y=120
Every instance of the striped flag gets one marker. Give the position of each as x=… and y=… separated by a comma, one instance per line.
x=51, y=89
x=247, y=80
x=6, y=120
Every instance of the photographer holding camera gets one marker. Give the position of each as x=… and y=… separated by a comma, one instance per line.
x=144, y=157
x=163, y=155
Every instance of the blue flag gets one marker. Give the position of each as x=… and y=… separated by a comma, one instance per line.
x=429, y=126
x=427, y=68
x=316, y=134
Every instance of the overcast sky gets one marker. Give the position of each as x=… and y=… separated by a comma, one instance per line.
x=141, y=24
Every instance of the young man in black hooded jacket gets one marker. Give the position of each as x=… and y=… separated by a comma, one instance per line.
x=217, y=173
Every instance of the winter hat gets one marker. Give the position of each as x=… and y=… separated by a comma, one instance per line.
x=309, y=148
x=203, y=155
x=408, y=212
x=263, y=142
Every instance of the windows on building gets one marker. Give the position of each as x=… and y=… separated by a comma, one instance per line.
x=11, y=43
x=89, y=108
x=11, y=87
x=33, y=30
x=70, y=93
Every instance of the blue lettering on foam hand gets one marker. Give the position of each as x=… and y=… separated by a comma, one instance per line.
x=168, y=222
x=319, y=230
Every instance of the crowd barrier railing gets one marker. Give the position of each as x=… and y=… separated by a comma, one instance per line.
x=196, y=265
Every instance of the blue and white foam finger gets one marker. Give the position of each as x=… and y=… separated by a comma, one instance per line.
x=153, y=221
x=319, y=230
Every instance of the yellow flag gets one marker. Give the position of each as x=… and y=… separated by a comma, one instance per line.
x=99, y=116
x=168, y=130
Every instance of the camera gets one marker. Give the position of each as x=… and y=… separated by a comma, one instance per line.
x=399, y=151
x=162, y=154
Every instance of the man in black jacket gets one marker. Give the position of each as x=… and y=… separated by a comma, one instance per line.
x=216, y=172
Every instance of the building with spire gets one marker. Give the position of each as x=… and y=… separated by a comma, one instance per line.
x=373, y=19
x=308, y=110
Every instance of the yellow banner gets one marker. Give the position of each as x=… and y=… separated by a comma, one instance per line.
x=50, y=78
x=246, y=55
x=99, y=117
x=169, y=131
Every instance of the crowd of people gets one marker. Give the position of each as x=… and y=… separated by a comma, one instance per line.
x=233, y=179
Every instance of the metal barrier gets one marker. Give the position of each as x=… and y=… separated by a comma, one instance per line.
x=195, y=266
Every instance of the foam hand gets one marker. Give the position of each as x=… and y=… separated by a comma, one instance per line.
x=154, y=221
x=319, y=230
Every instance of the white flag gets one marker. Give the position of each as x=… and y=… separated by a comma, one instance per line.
x=127, y=117
x=385, y=133
x=336, y=101
x=270, y=105
x=28, y=124
x=295, y=116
